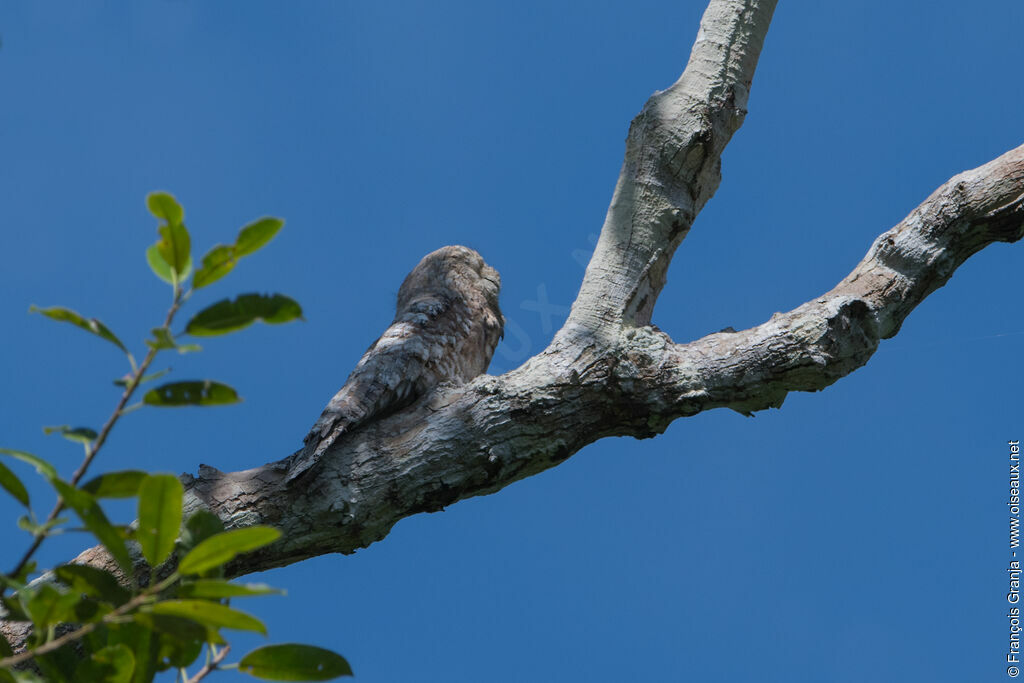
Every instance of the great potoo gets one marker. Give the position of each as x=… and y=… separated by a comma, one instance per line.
x=445, y=329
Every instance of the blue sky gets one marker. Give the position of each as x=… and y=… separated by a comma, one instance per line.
x=856, y=534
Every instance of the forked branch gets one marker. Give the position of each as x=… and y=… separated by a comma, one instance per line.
x=607, y=372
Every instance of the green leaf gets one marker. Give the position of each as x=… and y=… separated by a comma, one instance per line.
x=175, y=247
x=47, y=605
x=121, y=484
x=179, y=628
x=211, y=614
x=59, y=665
x=11, y=582
x=28, y=524
x=92, y=516
x=193, y=393
x=293, y=662
x=28, y=570
x=256, y=234
x=37, y=529
x=224, y=547
x=10, y=483
x=177, y=651
x=222, y=258
x=88, y=609
x=123, y=381
x=82, y=435
x=179, y=654
x=228, y=316
x=159, y=516
x=219, y=588
x=142, y=641
x=95, y=583
x=164, y=206
x=92, y=325
x=112, y=664
x=42, y=467
x=163, y=339
x=15, y=609
x=5, y=647
x=158, y=265
x=201, y=525
x=217, y=263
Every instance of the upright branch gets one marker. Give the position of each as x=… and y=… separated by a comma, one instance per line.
x=672, y=167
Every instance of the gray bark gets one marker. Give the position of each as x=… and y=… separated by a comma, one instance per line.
x=608, y=372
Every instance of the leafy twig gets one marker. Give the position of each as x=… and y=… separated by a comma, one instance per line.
x=101, y=438
x=85, y=629
x=211, y=665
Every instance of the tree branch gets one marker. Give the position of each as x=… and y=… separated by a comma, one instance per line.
x=607, y=372
x=212, y=665
x=476, y=439
x=621, y=380
x=672, y=166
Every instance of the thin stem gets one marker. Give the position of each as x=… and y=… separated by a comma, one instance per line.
x=101, y=438
x=86, y=629
x=211, y=664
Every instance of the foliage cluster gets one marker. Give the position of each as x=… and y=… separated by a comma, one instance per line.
x=167, y=599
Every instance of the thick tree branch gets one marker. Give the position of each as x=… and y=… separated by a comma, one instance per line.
x=607, y=372
x=478, y=438
x=471, y=440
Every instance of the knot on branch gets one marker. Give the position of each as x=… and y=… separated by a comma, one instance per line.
x=852, y=334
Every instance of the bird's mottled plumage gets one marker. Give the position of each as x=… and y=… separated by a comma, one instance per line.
x=446, y=327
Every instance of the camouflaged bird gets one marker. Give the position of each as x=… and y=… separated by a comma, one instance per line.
x=446, y=327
